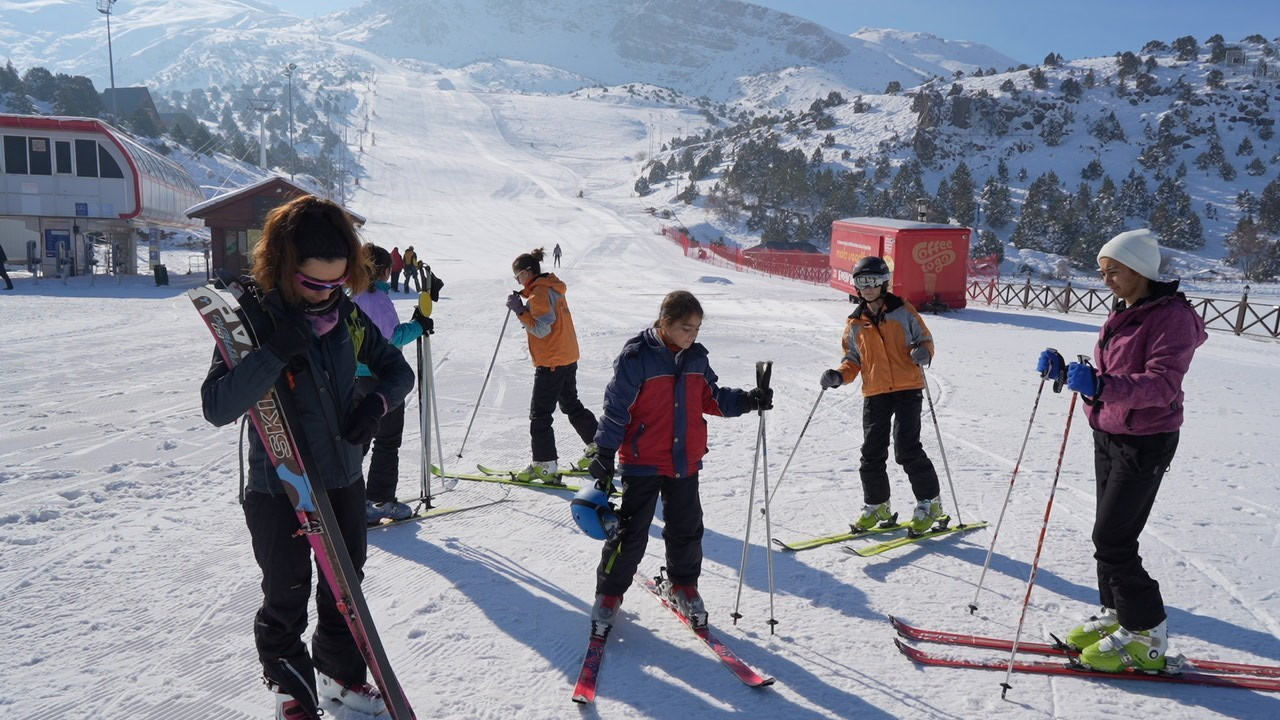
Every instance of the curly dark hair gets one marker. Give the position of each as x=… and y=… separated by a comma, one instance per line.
x=304, y=228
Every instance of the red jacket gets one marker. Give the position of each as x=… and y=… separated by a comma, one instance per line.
x=654, y=404
x=397, y=263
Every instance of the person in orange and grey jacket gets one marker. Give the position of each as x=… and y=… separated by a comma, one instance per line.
x=886, y=341
x=553, y=344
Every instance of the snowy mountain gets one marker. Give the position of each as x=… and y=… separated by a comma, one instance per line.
x=719, y=49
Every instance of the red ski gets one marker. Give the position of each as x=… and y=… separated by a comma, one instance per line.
x=585, y=691
x=722, y=652
x=1036, y=648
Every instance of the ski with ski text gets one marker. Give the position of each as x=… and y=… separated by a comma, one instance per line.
x=584, y=692
x=819, y=541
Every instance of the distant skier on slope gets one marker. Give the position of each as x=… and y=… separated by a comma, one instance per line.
x=384, y=467
x=1134, y=401
x=308, y=252
x=653, y=422
x=886, y=341
x=553, y=345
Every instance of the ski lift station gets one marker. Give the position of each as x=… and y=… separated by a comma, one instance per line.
x=77, y=192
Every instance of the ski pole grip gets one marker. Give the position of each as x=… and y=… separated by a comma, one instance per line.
x=764, y=369
x=424, y=304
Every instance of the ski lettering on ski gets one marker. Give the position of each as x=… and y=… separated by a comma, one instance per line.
x=584, y=692
x=877, y=548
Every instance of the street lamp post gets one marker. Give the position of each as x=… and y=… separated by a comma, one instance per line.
x=104, y=7
x=288, y=73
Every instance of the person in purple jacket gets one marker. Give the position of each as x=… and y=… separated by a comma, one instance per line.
x=1133, y=401
x=653, y=423
x=384, y=465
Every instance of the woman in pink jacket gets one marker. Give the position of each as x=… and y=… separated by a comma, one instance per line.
x=1134, y=404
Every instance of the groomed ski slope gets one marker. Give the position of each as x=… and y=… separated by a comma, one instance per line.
x=127, y=588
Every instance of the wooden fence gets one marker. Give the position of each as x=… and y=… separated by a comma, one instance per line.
x=1237, y=316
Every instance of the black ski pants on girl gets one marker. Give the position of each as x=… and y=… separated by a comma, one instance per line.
x=552, y=386
x=1129, y=469
x=681, y=531
x=897, y=414
x=286, y=563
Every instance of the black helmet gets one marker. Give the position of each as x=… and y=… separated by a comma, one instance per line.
x=871, y=272
x=871, y=265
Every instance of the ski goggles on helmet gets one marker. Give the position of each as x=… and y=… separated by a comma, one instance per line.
x=870, y=281
x=311, y=283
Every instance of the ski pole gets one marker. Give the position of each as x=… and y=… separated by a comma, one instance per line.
x=501, y=332
x=942, y=450
x=1044, y=527
x=763, y=370
x=973, y=606
x=786, y=465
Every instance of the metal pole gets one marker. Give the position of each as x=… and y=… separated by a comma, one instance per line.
x=942, y=450
x=104, y=7
x=1035, y=562
x=793, y=449
x=475, y=410
x=288, y=73
x=973, y=606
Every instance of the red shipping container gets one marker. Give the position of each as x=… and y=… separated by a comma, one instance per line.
x=928, y=260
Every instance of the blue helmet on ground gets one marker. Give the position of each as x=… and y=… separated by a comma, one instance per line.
x=593, y=513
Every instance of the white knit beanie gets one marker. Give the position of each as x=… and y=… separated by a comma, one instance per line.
x=1136, y=249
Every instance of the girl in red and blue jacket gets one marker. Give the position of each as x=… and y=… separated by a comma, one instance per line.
x=653, y=422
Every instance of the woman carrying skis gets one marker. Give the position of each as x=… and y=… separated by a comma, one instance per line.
x=1134, y=405
x=653, y=422
x=886, y=341
x=553, y=345
x=308, y=253
x=384, y=467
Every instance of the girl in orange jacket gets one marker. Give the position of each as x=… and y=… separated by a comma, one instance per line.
x=553, y=345
x=886, y=341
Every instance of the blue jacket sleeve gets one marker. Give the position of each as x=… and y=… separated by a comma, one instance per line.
x=405, y=333
x=619, y=397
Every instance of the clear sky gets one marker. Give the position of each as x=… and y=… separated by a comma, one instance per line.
x=1025, y=30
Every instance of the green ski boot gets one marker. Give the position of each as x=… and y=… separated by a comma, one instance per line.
x=1098, y=627
x=873, y=515
x=1139, y=649
x=926, y=515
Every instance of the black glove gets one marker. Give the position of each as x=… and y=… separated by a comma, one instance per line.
x=362, y=423
x=831, y=379
x=428, y=325
x=436, y=285
x=293, y=334
x=759, y=399
x=920, y=355
x=601, y=468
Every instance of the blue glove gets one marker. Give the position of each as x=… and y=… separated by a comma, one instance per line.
x=1050, y=365
x=515, y=304
x=1083, y=379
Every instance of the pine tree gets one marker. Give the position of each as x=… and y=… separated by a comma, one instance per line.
x=9, y=80
x=1269, y=207
x=1245, y=147
x=39, y=83
x=962, y=205
x=988, y=244
x=997, y=203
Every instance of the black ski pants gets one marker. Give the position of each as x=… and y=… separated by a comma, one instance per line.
x=4, y=274
x=384, y=466
x=552, y=386
x=897, y=414
x=285, y=559
x=1129, y=469
x=681, y=531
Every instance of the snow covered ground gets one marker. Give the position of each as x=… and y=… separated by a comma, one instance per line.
x=127, y=587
